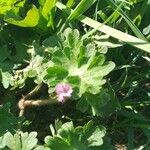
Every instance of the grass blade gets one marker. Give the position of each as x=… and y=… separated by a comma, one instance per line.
x=124, y=37
x=81, y=8
x=133, y=27
x=70, y=3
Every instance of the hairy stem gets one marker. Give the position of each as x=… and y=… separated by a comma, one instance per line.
x=25, y=102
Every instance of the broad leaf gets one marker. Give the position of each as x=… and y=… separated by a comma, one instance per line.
x=8, y=122
x=20, y=141
x=70, y=138
x=96, y=138
x=6, y=79
x=5, y=6
x=55, y=143
x=30, y=20
x=4, y=53
x=2, y=145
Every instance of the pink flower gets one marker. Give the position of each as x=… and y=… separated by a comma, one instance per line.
x=63, y=91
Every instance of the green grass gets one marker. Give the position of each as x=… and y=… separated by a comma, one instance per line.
x=101, y=49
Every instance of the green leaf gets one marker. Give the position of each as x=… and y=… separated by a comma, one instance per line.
x=81, y=66
x=6, y=79
x=134, y=28
x=57, y=72
x=72, y=38
x=70, y=3
x=48, y=11
x=51, y=41
x=92, y=79
x=58, y=124
x=70, y=138
x=9, y=4
x=124, y=37
x=2, y=145
x=65, y=130
x=96, y=138
x=74, y=80
x=31, y=73
x=41, y=2
x=31, y=19
x=20, y=141
x=104, y=40
x=99, y=101
x=55, y=143
x=81, y=8
x=146, y=30
x=8, y=122
x=4, y=53
x=82, y=105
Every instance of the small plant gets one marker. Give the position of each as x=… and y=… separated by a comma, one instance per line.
x=80, y=68
x=66, y=137
x=73, y=66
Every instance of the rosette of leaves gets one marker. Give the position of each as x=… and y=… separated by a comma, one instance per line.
x=68, y=137
x=78, y=64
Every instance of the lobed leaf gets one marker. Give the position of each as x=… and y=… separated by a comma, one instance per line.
x=20, y=141
x=82, y=137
